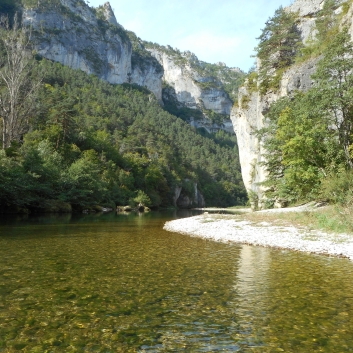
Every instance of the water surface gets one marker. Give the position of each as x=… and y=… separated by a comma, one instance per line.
x=119, y=283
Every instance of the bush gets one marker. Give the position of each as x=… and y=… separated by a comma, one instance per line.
x=338, y=188
x=142, y=199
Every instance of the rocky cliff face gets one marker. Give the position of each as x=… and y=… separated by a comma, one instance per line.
x=191, y=88
x=195, y=88
x=74, y=34
x=250, y=117
x=246, y=120
x=90, y=39
x=182, y=199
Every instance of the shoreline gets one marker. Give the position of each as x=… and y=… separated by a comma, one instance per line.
x=235, y=229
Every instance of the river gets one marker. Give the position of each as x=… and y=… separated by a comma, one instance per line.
x=120, y=283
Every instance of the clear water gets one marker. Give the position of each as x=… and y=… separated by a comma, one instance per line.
x=119, y=283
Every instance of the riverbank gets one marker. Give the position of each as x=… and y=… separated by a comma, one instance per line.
x=264, y=228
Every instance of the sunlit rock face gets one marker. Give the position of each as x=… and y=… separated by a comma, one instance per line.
x=148, y=75
x=307, y=10
x=83, y=38
x=246, y=120
x=80, y=37
x=190, y=86
x=91, y=39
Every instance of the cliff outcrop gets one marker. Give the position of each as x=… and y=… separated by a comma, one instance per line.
x=248, y=115
x=89, y=39
x=198, y=85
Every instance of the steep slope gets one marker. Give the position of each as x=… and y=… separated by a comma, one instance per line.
x=198, y=85
x=248, y=114
x=97, y=143
x=90, y=39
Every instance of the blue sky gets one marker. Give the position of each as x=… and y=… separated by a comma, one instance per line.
x=215, y=30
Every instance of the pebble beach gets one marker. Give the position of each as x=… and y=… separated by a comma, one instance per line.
x=231, y=228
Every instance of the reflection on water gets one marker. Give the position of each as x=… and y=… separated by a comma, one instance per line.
x=119, y=283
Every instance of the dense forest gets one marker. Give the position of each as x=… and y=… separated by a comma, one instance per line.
x=86, y=142
x=308, y=137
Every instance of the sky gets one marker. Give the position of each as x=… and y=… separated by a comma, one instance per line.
x=215, y=30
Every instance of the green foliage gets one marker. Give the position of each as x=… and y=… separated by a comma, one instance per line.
x=338, y=187
x=140, y=56
x=244, y=101
x=251, y=82
x=9, y=7
x=326, y=28
x=335, y=89
x=253, y=199
x=142, y=199
x=229, y=79
x=92, y=56
x=279, y=43
x=172, y=105
x=310, y=136
x=95, y=143
x=209, y=85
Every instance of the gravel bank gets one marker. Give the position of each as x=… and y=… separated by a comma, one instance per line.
x=229, y=228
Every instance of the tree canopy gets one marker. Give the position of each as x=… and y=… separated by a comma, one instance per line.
x=309, y=136
x=91, y=142
x=278, y=44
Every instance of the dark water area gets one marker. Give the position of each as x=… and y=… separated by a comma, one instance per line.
x=120, y=283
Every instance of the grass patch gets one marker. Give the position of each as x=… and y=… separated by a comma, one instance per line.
x=332, y=219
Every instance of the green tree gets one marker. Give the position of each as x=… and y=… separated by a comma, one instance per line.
x=279, y=43
x=309, y=136
x=334, y=89
x=142, y=199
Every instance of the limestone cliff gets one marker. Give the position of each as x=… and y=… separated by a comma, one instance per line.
x=192, y=83
x=183, y=198
x=90, y=39
x=250, y=117
x=248, y=114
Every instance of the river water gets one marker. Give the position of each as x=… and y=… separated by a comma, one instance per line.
x=120, y=283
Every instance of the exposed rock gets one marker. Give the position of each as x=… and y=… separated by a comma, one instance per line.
x=308, y=11
x=246, y=120
x=211, y=127
x=187, y=84
x=90, y=40
x=109, y=15
x=183, y=199
x=149, y=75
x=74, y=35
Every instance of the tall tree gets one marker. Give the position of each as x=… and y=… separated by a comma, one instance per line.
x=334, y=89
x=310, y=135
x=279, y=42
x=18, y=82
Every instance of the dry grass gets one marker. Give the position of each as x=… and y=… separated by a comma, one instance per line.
x=334, y=219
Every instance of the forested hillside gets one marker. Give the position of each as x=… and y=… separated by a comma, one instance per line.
x=91, y=143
